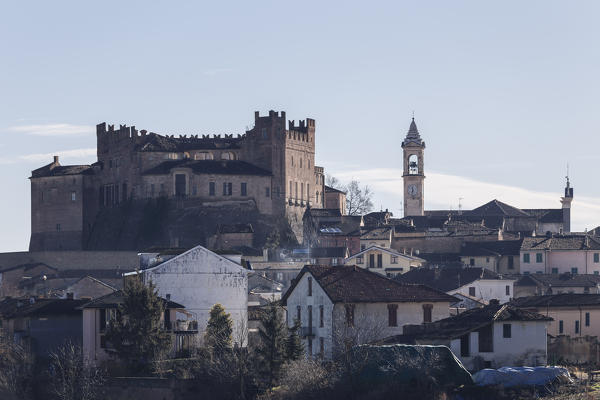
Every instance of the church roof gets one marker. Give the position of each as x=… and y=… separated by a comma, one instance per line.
x=497, y=208
x=413, y=135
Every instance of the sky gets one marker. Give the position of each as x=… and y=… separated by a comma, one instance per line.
x=505, y=94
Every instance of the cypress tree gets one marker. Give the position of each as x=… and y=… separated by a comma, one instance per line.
x=273, y=338
x=219, y=329
x=294, y=347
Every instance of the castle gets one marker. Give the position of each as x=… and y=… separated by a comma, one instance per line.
x=269, y=169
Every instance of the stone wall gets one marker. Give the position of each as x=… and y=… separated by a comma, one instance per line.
x=573, y=350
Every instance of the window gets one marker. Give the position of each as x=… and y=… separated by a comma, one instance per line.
x=539, y=258
x=596, y=257
x=587, y=319
x=472, y=262
x=58, y=227
x=211, y=188
x=299, y=314
x=507, y=331
x=73, y=196
x=511, y=262
x=371, y=260
x=574, y=271
x=309, y=286
x=267, y=192
x=465, y=345
x=291, y=189
x=321, y=347
x=243, y=189
x=427, y=311
x=394, y=259
x=310, y=319
x=263, y=132
x=180, y=185
x=487, y=260
x=526, y=258
x=392, y=314
x=472, y=291
x=359, y=260
x=310, y=346
x=321, y=316
x=596, y=272
x=227, y=188
x=486, y=339
x=301, y=190
x=555, y=270
x=560, y=327
x=300, y=162
x=295, y=190
x=349, y=314
x=334, y=261
x=508, y=290
x=576, y=326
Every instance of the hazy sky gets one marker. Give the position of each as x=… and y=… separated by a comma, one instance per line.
x=504, y=94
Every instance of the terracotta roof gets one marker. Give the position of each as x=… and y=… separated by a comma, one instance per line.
x=329, y=189
x=114, y=299
x=349, y=284
x=58, y=170
x=496, y=247
x=12, y=308
x=558, y=300
x=497, y=208
x=465, y=322
x=559, y=280
x=156, y=142
x=561, y=242
x=446, y=279
x=219, y=167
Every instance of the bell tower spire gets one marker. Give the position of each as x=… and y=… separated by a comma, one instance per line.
x=566, y=204
x=413, y=171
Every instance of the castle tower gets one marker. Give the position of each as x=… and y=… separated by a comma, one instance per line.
x=566, y=207
x=414, y=174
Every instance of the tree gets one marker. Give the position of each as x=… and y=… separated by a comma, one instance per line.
x=72, y=377
x=333, y=182
x=219, y=330
x=358, y=200
x=294, y=349
x=272, y=333
x=137, y=333
x=16, y=368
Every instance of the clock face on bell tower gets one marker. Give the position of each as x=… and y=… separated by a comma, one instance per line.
x=413, y=173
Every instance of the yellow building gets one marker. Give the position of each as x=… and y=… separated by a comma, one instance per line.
x=384, y=261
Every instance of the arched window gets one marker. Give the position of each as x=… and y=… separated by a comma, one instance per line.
x=413, y=164
x=203, y=156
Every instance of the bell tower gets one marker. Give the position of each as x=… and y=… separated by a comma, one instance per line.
x=413, y=173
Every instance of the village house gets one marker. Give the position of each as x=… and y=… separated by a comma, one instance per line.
x=384, y=261
x=500, y=256
x=330, y=228
x=40, y=325
x=337, y=304
x=381, y=237
x=572, y=314
x=477, y=283
x=556, y=254
x=232, y=236
x=328, y=255
x=199, y=279
x=490, y=337
x=98, y=314
x=542, y=284
x=335, y=199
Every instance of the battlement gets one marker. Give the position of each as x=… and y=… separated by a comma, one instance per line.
x=303, y=125
x=129, y=132
x=272, y=116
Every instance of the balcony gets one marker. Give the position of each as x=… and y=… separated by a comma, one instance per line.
x=182, y=326
x=307, y=331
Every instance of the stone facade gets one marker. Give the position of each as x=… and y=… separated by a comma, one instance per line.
x=269, y=166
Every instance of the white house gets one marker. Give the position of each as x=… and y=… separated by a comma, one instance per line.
x=556, y=254
x=490, y=337
x=384, y=261
x=477, y=283
x=345, y=303
x=199, y=278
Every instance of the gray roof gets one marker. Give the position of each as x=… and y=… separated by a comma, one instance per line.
x=561, y=242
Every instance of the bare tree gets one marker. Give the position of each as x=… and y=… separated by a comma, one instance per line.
x=16, y=368
x=305, y=377
x=333, y=182
x=358, y=200
x=72, y=377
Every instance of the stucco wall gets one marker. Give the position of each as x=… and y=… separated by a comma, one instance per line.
x=569, y=316
x=488, y=289
x=563, y=261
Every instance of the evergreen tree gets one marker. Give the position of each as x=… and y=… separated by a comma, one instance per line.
x=273, y=338
x=219, y=330
x=137, y=333
x=294, y=348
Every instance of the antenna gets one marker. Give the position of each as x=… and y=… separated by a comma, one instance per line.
x=460, y=205
x=567, y=175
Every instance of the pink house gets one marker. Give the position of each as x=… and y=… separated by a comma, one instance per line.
x=556, y=254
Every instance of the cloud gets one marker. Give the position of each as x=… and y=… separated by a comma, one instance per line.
x=69, y=154
x=53, y=129
x=443, y=191
x=46, y=158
